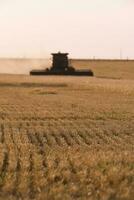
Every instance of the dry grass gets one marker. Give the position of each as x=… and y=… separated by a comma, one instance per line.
x=66, y=138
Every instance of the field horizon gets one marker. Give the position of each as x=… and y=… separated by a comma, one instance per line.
x=102, y=68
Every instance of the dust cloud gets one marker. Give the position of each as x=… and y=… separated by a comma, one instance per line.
x=22, y=65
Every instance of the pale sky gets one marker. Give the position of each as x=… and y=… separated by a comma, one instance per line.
x=84, y=28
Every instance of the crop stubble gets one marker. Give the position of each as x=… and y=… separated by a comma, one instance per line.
x=71, y=140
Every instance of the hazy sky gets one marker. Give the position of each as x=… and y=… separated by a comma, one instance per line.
x=85, y=28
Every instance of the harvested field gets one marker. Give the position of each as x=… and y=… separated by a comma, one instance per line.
x=66, y=137
x=114, y=69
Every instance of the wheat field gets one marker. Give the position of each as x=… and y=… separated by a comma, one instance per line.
x=67, y=137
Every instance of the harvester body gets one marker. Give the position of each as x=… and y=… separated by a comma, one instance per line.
x=60, y=66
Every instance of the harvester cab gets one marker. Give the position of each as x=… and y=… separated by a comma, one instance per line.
x=60, y=61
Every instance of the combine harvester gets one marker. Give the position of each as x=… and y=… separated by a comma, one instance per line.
x=61, y=66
